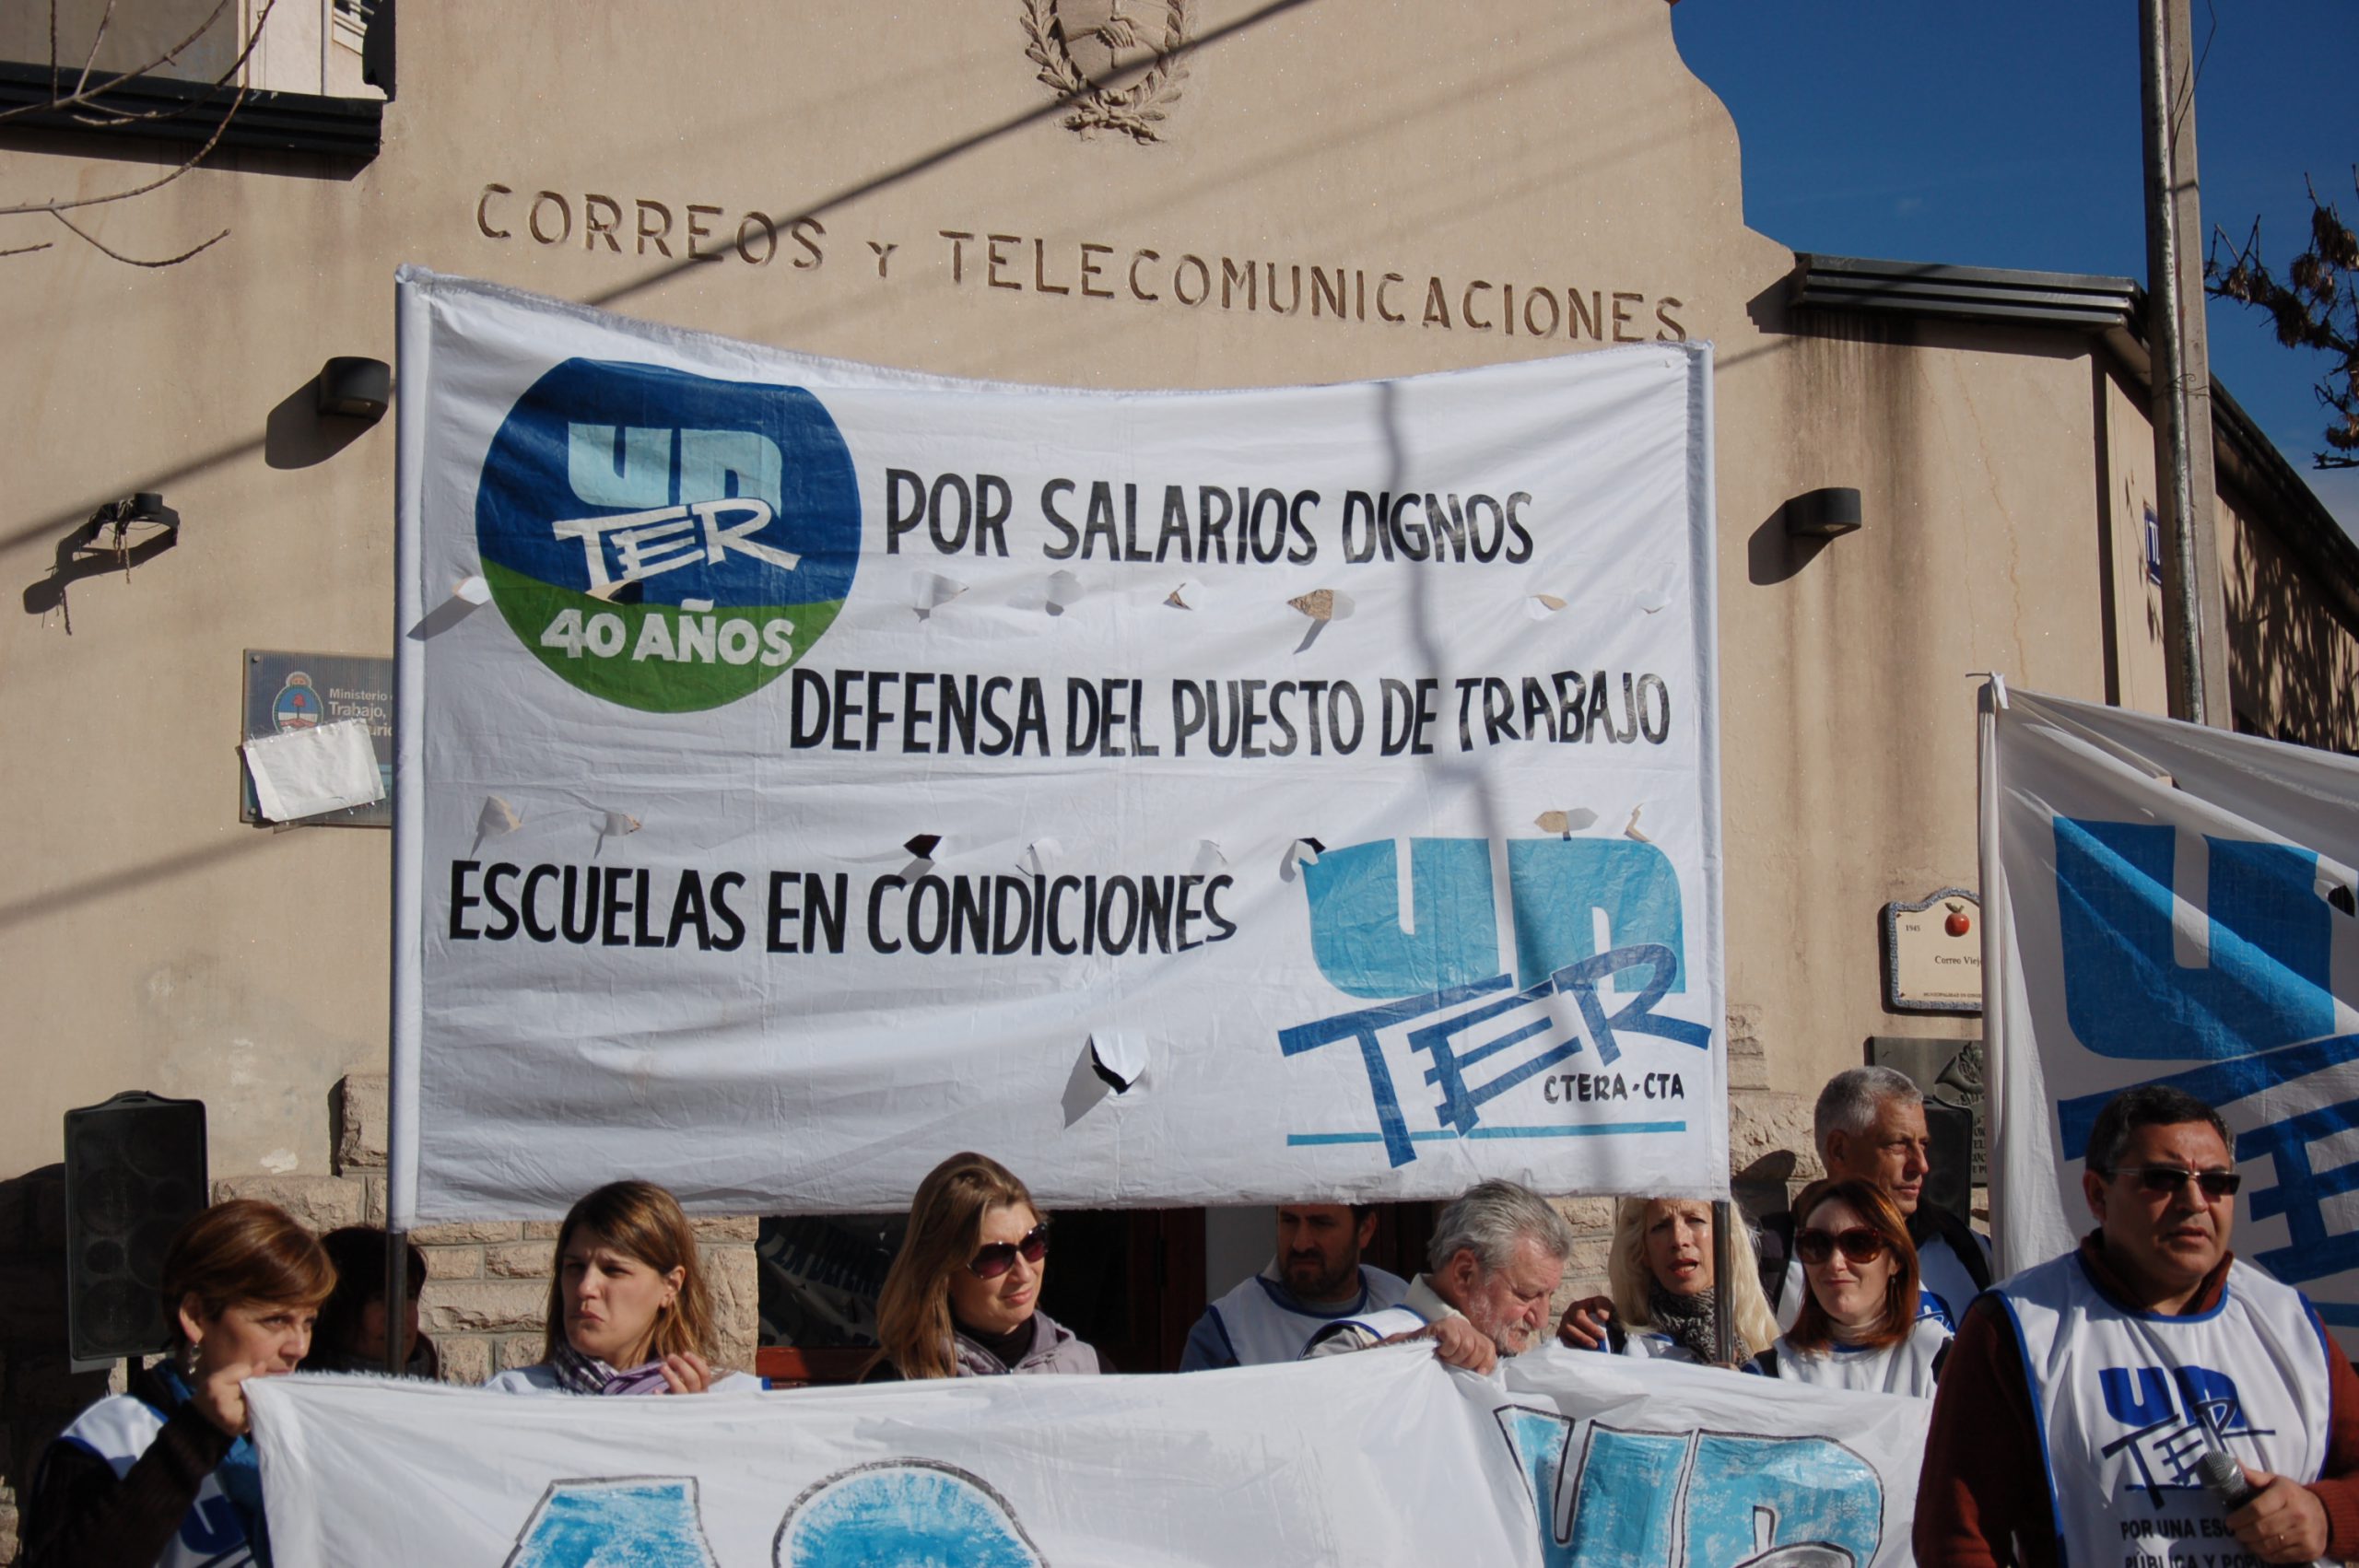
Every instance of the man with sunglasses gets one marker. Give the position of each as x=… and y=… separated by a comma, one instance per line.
x=1315, y=1278
x=2081, y=1395
x=1498, y=1254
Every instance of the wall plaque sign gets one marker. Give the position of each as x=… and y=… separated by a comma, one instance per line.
x=295, y=691
x=1932, y=953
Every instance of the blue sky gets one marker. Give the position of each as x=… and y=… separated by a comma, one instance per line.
x=2005, y=133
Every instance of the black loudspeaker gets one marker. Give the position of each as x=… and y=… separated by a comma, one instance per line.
x=134, y=1175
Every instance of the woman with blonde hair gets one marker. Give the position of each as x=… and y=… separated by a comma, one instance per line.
x=962, y=1298
x=1865, y=1323
x=165, y=1474
x=1660, y=1272
x=629, y=1310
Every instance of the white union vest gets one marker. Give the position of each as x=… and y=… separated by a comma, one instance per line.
x=211, y=1535
x=2128, y=1403
x=1262, y=1331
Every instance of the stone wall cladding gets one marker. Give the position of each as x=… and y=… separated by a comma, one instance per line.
x=486, y=1280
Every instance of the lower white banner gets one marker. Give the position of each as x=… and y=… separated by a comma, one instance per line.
x=1569, y=1458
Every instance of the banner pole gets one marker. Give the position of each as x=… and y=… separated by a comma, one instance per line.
x=1724, y=1330
x=397, y=1299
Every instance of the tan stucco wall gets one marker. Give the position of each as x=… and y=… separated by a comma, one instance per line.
x=150, y=940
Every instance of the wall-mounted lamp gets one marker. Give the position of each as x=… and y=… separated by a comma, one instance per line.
x=1823, y=514
x=134, y=524
x=359, y=389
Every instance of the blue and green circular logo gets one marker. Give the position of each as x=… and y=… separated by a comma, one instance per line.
x=665, y=541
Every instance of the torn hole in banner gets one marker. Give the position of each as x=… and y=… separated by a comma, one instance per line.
x=1119, y=1059
x=612, y=824
x=495, y=819
x=1566, y=823
x=468, y=595
x=1301, y=852
x=921, y=846
x=931, y=592
x=1038, y=856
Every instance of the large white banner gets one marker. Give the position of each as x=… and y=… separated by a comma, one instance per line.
x=2171, y=904
x=1572, y=1460
x=808, y=770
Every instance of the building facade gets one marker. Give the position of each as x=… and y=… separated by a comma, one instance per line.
x=1308, y=192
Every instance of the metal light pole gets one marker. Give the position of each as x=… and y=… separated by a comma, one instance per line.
x=2194, y=618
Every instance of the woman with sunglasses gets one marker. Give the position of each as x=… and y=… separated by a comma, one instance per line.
x=628, y=1309
x=1660, y=1272
x=1864, y=1323
x=962, y=1298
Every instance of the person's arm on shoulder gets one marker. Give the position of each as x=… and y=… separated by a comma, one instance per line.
x=1208, y=1349
x=82, y=1515
x=1588, y=1325
x=1983, y=1489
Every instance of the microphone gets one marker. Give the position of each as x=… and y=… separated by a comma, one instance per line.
x=2224, y=1480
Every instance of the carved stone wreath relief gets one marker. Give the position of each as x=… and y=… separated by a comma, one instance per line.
x=1084, y=46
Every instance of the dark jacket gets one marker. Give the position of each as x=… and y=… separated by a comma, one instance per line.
x=80, y=1515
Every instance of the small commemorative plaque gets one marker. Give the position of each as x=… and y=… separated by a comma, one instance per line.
x=1932, y=953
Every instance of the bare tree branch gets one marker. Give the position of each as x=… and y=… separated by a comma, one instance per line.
x=99, y=36
x=24, y=249
x=84, y=236
x=101, y=115
x=82, y=91
x=194, y=159
x=2314, y=306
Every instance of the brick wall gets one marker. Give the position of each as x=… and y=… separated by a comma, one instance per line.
x=486, y=1280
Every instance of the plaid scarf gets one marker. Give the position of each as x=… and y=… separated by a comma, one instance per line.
x=1692, y=1322
x=577, y=1374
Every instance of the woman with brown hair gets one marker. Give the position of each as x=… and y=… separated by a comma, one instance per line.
x=962, y=1299
x=629, y=1310
x=164, y=1476
x=1865, y=1323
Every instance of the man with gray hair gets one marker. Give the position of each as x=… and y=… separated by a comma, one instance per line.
x=1499, y=1251
x=1870, y=1124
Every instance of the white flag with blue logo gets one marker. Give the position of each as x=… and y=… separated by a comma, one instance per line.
x=1570, y=1459
x=809, y=771
x=2170, y=904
